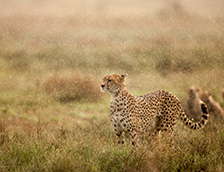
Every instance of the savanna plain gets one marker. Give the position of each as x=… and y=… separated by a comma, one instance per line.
x=53, y=56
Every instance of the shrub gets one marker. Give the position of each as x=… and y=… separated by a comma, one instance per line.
x=72, y=88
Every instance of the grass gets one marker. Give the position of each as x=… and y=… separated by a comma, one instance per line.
x=53, y=56
x=71, y=148
x=72, y=88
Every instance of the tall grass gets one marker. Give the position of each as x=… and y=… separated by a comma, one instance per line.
x=94, y=148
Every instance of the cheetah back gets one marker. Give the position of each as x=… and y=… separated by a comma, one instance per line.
x=162, y=107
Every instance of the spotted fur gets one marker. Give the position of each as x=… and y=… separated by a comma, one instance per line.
x=151, y=113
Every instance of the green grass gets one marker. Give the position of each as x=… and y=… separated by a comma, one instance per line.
x=159, y=45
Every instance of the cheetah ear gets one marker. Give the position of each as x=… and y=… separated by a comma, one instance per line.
x=123, y=76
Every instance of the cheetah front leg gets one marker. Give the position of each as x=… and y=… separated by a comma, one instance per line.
x=118, y=130
x=134, y=138
x=120, y=137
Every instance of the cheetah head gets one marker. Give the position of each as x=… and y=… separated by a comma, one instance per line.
x=113, y=83
x=193, y=90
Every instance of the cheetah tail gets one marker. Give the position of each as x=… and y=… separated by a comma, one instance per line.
x=196, y=125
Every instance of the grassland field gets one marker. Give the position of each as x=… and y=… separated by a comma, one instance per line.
x=53, y=56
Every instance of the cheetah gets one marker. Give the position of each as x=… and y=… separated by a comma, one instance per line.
x=192, y=108
x=194, y=95
x=154, y=113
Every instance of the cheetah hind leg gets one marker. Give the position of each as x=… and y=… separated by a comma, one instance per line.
x=167, y=136
x=154, y=134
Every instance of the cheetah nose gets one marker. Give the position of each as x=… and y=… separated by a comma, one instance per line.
x=102, y=85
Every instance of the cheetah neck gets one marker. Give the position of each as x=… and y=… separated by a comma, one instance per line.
x=122, y=93
x=120, y=100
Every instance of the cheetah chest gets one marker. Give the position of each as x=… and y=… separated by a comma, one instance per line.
x=119, y=117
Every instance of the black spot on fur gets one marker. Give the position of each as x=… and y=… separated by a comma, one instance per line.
x=204, y=109
x=195, y=127
x=118, y=134
x=205, y=117
x=134, y=136
x=122, y=120
x=120, y=142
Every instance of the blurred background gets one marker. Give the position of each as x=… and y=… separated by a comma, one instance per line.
x=62, y=48
x=170, y=44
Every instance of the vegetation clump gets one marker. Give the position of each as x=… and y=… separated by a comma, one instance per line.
x=72, y=88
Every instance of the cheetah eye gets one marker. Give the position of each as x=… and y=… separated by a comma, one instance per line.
x=109, y=80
